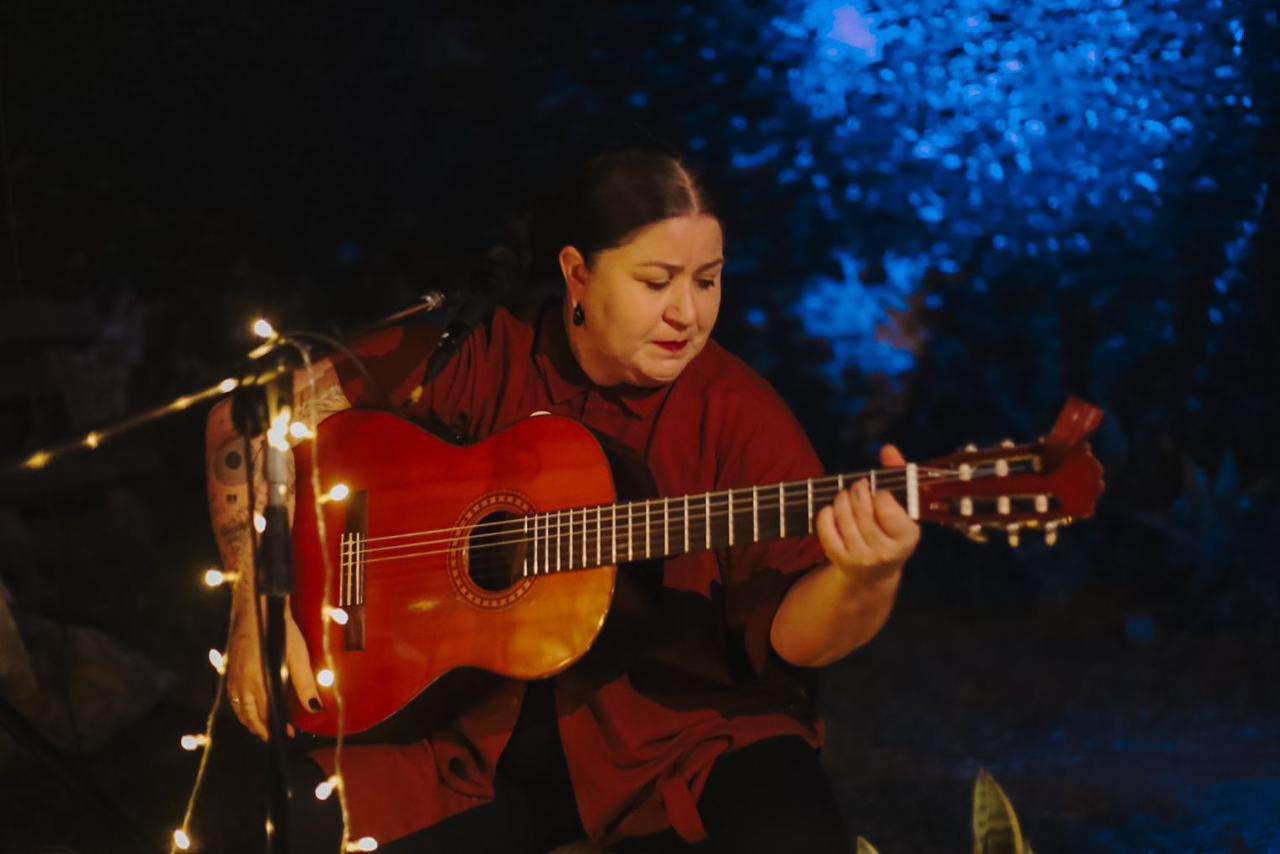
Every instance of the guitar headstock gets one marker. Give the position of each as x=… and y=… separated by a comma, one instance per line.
x=1011, y=488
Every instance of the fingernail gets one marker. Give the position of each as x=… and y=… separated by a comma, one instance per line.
x=314, y=704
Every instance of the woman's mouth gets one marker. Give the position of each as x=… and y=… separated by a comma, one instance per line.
x=672, y=346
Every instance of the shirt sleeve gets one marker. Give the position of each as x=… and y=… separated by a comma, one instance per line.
x=763, y=444
x=459, y=403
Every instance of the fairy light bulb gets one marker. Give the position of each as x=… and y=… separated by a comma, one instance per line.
x=277, y=434
x=229, y=384
x=218, y=660
x=263, y=329
x=338, y=615
x=326, y=787
x=300, y=431
x=181, y=840
x=216, y=577
x=325, y=677
x=92, y=440
x=338, y=492
x=194, y=742
x=364, y=843
x=259, y=522
x=38, y=460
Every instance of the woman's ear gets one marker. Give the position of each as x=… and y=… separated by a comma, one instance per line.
x=574, y=269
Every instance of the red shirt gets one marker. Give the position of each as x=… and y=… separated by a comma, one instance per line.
x=683, y=670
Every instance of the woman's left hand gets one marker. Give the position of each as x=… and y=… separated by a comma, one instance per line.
x=868, y=536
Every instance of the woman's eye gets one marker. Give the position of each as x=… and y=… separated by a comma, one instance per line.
x=707, y=283
x=657, y=286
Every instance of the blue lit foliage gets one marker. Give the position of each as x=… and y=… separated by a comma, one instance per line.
x=995, y=132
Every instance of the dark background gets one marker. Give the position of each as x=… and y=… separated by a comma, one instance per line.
x=942, y=216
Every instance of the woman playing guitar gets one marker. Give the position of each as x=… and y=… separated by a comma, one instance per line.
x=689, y=724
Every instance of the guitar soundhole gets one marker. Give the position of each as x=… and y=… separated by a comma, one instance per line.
x=496, y=552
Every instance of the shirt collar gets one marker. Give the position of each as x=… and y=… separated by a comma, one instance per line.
x=565, y=378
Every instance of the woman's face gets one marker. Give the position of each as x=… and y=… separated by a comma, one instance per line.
x=650, y=304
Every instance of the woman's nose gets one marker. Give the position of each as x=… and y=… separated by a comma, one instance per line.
x=680, y=311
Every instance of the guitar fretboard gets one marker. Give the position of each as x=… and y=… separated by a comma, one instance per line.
x=586, y=537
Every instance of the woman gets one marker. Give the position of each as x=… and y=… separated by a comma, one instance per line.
x=689, y=725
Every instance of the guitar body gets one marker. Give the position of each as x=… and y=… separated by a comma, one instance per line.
x=427, y=601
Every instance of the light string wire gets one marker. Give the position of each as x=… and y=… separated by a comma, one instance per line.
x=312, y=422
x=210, y=725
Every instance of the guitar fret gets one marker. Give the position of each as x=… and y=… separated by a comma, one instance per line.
x=630, y=553
x=707, y=516
x=839, y=482
x=666, y=512
x=535, y=545
x=686, y=523
x=730, y=492
x=647, y=538
x=782, y=512
x=873, y=480
x=810, y=513
x=525, y=569
x=546, y=540
x=584, y=538
x=599, y=515
x=559, y=525
x=613, y=541
x=755, y=515
x=358, y=569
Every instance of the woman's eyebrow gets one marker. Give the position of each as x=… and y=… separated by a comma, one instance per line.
x=676, y=268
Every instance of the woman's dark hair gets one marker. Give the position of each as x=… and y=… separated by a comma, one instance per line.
x=599, y=206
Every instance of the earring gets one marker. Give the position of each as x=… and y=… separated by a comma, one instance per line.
x=579, y=316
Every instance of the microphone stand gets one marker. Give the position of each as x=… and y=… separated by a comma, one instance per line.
x=269, y=408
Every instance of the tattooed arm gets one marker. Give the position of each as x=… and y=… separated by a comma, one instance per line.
x=229, y=472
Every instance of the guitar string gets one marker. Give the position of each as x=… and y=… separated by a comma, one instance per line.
x=563, y=527
x=504, y=527
x=882, y=475
x=766, y=499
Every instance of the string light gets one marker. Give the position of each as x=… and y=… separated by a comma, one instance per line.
x=338, y=615
x=364, y=843
x=263, y=329
x=218, y=660
x=194, y=742
x=339, y=492
x=326, y=787
x=181, y=840
x=91, y=440
x=300, y=431
x=229, y=384
x=38, y=460
x=216, y=577
x=279, y=430
x=325, y=677
x=259, y=522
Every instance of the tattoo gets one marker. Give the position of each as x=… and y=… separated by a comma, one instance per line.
x=228, y=462
x=233, y=528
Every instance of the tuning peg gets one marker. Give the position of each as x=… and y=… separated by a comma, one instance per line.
x=975, y=533
x=1050, y=533
x=1003, y=505
x=1014, y=538
x=1042, y=503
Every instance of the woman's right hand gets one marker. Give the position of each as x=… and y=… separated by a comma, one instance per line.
x=245, y=684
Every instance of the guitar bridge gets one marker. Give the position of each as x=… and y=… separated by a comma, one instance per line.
x=352, y=570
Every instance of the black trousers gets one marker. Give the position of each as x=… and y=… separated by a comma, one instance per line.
x=772, y=796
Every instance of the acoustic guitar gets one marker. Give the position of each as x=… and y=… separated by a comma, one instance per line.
x=503, y=555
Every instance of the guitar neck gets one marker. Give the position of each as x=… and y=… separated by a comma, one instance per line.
x=604, y=535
